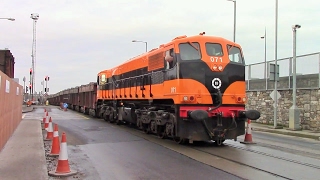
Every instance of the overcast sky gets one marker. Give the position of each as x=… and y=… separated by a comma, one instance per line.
x=78, y=38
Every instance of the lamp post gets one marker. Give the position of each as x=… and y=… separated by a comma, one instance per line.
x=24, y=87
x=276, y=70
x=142, y=42
x=10, y=19
x=294, y=112
x=234, y=19
x=265, y=56
x=34, y=17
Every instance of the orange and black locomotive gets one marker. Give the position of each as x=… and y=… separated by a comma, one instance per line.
x=192, y=88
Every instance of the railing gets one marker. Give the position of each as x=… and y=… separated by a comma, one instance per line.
x=307, y=71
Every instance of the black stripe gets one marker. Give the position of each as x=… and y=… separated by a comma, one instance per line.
x=195, y=69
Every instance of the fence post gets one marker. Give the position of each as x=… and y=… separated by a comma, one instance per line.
x=249, y=76
x=290, y=73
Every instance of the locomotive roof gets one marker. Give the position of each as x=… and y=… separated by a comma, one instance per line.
x=178, y=39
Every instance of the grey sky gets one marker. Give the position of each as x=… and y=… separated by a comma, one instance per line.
x=77, y=39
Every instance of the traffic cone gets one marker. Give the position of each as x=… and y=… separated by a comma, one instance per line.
x=49, y=131
x=44, y=117
x=55, y=145
x=63, y=168
x=46, y=125
x=46, y=121
x=248, y=136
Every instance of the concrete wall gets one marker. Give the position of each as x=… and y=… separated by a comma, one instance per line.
x=10, y=107
x=308, y=100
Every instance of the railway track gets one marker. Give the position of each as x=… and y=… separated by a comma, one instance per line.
x=211, y=149
x=239, y=154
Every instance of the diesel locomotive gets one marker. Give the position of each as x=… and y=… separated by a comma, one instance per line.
x=189, y=89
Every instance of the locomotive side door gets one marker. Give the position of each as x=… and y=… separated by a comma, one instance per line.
x=171, y=70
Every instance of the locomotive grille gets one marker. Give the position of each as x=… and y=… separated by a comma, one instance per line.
x=156, y=62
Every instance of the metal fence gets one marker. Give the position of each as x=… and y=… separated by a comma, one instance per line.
x=307, y=73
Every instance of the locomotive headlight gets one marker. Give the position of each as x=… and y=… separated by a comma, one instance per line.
x=185, y=98
x=220, y=68
x=244, y=99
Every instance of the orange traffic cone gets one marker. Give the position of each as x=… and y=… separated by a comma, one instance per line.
x=248, y=136
x=55, y=145
x=49, y=131
x=44, y=117
x=63, y=168
x=46, y=124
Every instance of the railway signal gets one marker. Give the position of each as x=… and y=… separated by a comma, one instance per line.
x=30, y=87
x=31, y=82
x=46, y=79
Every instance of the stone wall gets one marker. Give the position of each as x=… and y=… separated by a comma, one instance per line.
x=308, y=101
x=303, y=81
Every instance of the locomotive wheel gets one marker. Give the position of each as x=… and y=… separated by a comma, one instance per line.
x=146, y=128
x=111, y=117
x=106, y=118
x=161, y=132
x=118, y=122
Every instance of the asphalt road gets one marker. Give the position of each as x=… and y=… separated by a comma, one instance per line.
x=104, y=151
x=100, y=150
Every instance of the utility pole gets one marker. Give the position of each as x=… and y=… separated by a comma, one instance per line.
x=294, y=112
x=35, y=18
x=265, y=56
x=275, y=111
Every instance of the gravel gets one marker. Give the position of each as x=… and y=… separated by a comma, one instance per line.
x=53, y=161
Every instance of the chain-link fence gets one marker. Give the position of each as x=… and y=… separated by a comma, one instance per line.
x=307, y=73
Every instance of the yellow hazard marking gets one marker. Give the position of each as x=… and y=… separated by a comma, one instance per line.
x=83, y=116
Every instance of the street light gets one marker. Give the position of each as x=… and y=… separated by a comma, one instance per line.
x=265, y=56
x=10, y=19
x=276, y=69
x=34, y=17
x=142, y=42
x=294, y=112
x=234, y=19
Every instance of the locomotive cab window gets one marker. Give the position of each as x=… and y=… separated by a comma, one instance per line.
x=103, y=79
x=190, y=51
x=170, y=60
x=214, y=49
x=235, y=54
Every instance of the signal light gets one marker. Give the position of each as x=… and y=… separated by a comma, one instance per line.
x=30, y=71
